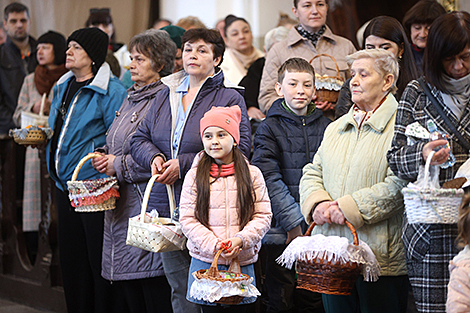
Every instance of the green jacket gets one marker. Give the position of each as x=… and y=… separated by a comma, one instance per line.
x=351, y=167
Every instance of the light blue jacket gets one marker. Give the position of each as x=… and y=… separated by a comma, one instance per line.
x=90, y=114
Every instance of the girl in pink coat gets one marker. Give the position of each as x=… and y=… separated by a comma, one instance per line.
x=224, y=201
x=458, y=296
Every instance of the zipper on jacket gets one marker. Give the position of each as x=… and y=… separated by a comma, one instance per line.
x=349, y=164
x=227, y=211
x=62, y=135
x=112, y=248
x=307, y=145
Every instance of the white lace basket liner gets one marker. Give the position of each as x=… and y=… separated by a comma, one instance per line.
x=431, y=206
x=92, y=195
x=214, y=286
x=334, y=249
x=327, y=87
x=154, y=233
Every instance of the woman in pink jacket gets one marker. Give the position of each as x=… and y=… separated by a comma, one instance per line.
x=458, y=295
x=224, y=201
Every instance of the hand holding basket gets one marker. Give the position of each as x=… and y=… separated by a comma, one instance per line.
x=33, y=119
x=224, y=287
x=158, y=234
x=34, y=127
x=326, y=276
x=431, y=205
x=92, y=195
x=327, y=87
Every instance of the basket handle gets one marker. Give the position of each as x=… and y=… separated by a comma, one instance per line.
x=214, y=270
x=43, y=101
x=235, y=266
x=148, y=189
x=327, y=55
x=350, y=226
x=82, y=161
x=427, y=168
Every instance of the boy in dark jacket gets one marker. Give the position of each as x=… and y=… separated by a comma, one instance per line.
x=284, y=142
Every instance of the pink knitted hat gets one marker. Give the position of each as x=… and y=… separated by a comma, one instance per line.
x=227, y=118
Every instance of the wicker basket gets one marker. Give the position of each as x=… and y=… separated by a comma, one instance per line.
x=331, y=93
x=213, y=273
x=161, y=235
x=432, y=206
x=34, y=137
x=323, y=276
x=92, y=195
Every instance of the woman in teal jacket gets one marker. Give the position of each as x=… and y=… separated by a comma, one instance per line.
x=84, y=105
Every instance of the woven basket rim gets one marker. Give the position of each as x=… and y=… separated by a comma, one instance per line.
x=203, y=274
x=36, y=136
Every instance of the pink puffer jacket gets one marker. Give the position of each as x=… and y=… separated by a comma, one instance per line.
x=458, y=297
x=223, y=217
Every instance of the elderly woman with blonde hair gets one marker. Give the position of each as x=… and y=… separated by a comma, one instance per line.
x=349, y=179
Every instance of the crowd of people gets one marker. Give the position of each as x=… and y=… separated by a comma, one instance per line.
x=251, y=155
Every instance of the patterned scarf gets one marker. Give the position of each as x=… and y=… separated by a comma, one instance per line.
x=313, y=37
x=361, y=116
x=225, y=170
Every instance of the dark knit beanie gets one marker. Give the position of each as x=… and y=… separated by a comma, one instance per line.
x=175, y=33
x=94, y=41
x=58, y=41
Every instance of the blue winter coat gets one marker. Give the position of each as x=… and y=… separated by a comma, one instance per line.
x=283, y=144
x=120, y=261
x=91, y=112
x=155, y=133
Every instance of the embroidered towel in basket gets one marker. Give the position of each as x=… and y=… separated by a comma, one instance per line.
x=330, y=264
x=155, y=234
x=224, y=287
x=92, y=195
x=426, y=204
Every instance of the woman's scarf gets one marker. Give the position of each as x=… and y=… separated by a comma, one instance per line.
x=45, y=78
x=225, y=170
x=313, y=37
x=361, y=116
x=459, y=92
x=242, y=61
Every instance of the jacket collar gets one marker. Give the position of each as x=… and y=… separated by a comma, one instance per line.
x=174, y=80
x=146, y=91
x=11, y=45
x=294, y=37
x=378, y=121
x=277, y=110
x=99, y=83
